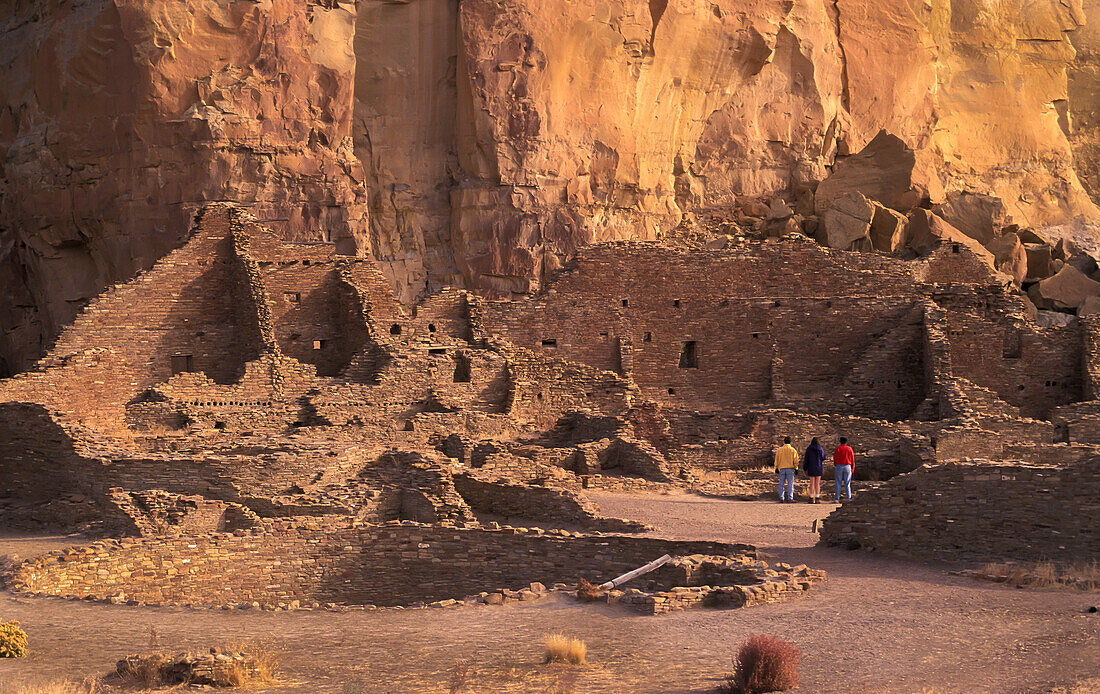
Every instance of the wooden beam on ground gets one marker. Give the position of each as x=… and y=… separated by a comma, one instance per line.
x=614, y=583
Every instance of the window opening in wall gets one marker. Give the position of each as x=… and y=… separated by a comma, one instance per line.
x=431, y=327
x=437, y=350
x=305, y=262
x=603, y=336
x=647, y=337
x=626, y=303
x=395, y=329
x=182, y=363
x=1019, y=387
x=778, y=304
x=219, y=425
x=689, y=357
x=293, y=297
x=462, y=369
x=676, y=303
x=549, y=343
x=318, y=344
x=672, y=391
x=954, y=248
x=756, y=336
x=1012, y=344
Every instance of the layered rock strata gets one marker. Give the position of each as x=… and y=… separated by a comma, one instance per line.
x=482, y=144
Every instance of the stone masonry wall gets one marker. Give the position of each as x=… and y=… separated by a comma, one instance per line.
x=978, y=512
x=392, y=564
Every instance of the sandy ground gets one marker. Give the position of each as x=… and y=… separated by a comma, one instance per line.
x=878, y=625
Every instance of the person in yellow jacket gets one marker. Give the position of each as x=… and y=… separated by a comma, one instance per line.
x=786, y=462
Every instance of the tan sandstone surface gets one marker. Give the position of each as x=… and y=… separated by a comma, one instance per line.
x=482, y=144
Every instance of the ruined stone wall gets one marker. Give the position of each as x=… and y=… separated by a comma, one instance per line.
x=39, y=461
x=183, y=316
x=1032, y=368
x=392, y=564
x=544, y=505
x=714, y=330
x=544, y=387
x=977, y=512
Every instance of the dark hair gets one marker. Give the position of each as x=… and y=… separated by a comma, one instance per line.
x=786, y=439
x=813, y=441
x=844, y=439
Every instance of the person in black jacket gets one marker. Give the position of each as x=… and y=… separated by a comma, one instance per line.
x=813, y=462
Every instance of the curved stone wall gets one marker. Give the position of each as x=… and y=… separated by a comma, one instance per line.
x=310, y=560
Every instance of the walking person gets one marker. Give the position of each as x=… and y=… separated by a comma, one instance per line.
x=844, y=463
x=786, y=462
x=813, y=462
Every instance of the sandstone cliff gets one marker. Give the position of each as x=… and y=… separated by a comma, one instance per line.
x=479, y=143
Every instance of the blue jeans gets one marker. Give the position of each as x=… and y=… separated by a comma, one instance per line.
x=843, y=478
x=786, y=479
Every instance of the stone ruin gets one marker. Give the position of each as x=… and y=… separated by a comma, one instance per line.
x=250, y=398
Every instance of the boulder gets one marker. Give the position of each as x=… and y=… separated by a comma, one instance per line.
x=1066, y=290
x=887, y=229
x=1090, y=307
x=1039, y=261
x=847, y=222
x=1053, y=319
x=925, y=232
x=886, y=170
x=980, y=217
x=1009, y=256
x=783, y=226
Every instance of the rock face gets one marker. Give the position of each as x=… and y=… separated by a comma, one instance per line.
x=481, y=143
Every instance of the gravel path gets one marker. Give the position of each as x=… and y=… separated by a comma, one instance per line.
x=878, y=625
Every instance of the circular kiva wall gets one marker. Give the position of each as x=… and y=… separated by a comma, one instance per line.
x=393, y=564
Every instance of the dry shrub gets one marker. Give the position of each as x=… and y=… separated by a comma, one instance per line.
x=13, y=640
x=564, y=649
x=144, y=671
x=764, y=663
x=589, y=592
x=260, y=666
x=1082, y=575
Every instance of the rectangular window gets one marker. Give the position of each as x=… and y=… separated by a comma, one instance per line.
x=293, y=297
x=182, y=363
x=318, y=344
x=689, y=357
x=647, y=337
x=462, y=369
x=549, y=343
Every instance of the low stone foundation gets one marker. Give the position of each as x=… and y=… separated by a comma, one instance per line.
x=978, y=512
x=309, y=560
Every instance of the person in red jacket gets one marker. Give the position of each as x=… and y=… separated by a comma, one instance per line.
x=844, y=463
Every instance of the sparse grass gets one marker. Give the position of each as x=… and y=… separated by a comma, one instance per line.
x=13, y=640
x=88, y=686
x=764, y=663
x=460, y=671
x=1080, y=575
x=565, y=649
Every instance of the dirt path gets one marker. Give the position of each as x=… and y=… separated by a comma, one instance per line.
x=879, y=625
